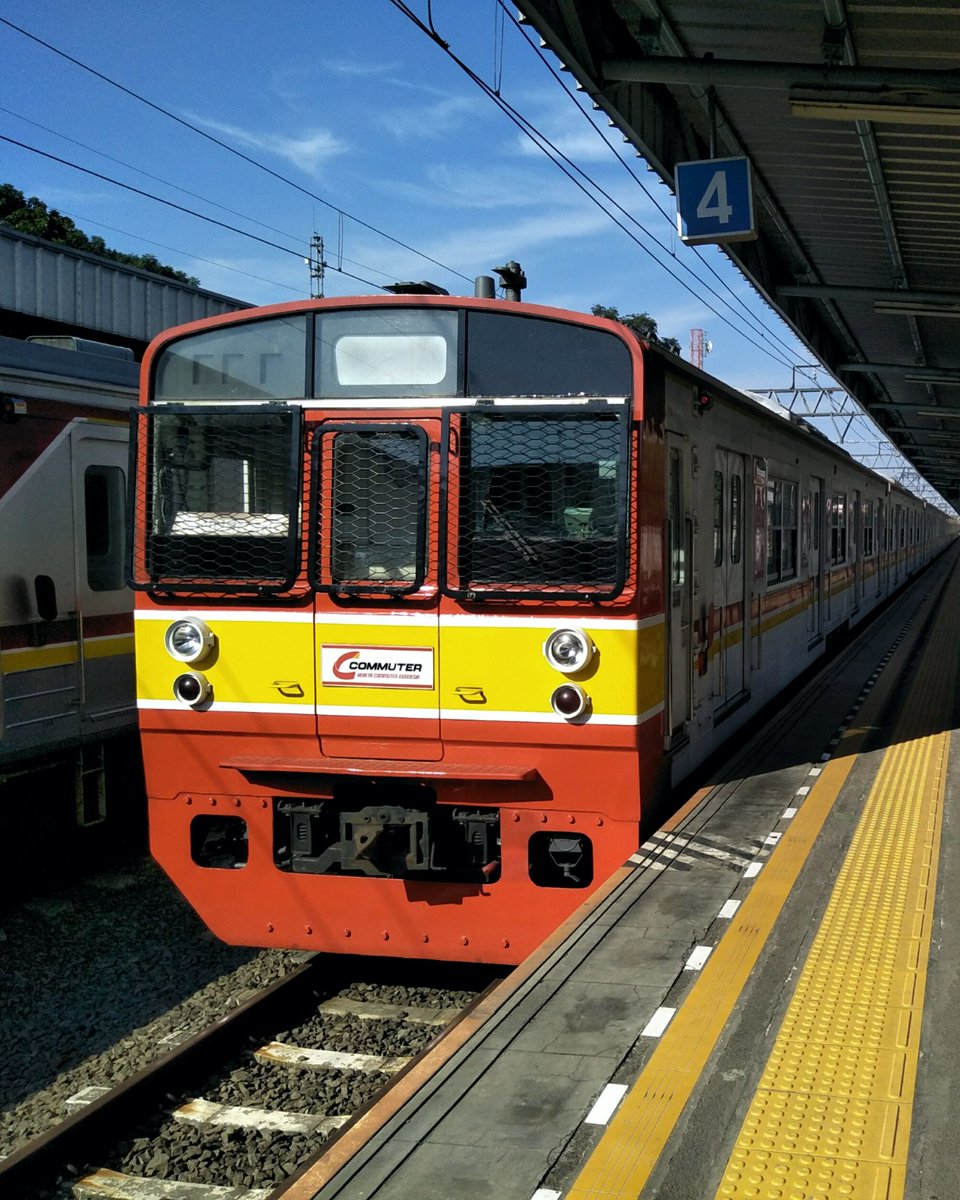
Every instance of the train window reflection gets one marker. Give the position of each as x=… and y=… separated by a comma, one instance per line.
x=736, y=518
x=718, y=518
x=781, y=530
x=256, y=360
x=104, y=508
x=541, y=501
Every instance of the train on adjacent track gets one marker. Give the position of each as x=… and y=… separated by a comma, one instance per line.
x=437, y=595
x=68, y=718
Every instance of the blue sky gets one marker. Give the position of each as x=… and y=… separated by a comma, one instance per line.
x=354, y=104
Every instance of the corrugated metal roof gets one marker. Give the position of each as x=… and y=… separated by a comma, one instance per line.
x=56, y=283
x=856, y=199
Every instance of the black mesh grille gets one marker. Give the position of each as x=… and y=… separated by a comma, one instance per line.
x=218, y=498
x=537, y=504
x=369, y=507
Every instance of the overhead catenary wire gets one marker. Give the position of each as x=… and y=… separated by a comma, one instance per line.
x=568, y=167
x=667, y=215
x=233, y=150
x=179, y=207
x=95, y=222
x=194, y=195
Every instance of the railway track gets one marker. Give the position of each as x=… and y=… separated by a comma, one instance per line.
x=236, y=1108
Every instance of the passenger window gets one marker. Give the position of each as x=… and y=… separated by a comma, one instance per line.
x=717, y=518
x=838, y=529
x=736, y=518
x=677, y=573
x=781, y=530
x=103, y=493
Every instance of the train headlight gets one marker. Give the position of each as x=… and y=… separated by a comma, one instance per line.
x=570, y=701
x=189, y=640
x=192, y=689
x=568, y=650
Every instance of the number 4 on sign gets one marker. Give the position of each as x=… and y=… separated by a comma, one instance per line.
x=713, y=204
x=715, y=200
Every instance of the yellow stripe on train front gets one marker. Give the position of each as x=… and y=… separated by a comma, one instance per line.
x=253, y=662
x=506, y=663
x=413, y=666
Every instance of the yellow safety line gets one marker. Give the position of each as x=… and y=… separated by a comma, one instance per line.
x=626, y=1155
x=622, y=1162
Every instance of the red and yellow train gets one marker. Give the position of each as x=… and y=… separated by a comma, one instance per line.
x=437, y=594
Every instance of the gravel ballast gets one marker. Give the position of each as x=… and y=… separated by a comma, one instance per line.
x=95, y=976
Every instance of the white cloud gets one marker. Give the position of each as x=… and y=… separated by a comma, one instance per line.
x=310, y=152
x=448, y=186
x=357, y=67
x=429, y=121
x=476, y=248
x=583, y=146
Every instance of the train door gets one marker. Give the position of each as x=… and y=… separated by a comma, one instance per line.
x=679, y=591
x=105, y=686
x=105, y=683
x=377, y=650
x=729, y=567
x=815, y=568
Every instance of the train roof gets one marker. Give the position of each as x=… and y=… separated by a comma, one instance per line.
x=80, y=364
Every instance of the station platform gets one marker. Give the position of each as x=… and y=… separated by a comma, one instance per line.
x=763, y=1003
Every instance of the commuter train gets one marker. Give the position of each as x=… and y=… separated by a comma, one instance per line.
x=68, y=718
x=436, y=596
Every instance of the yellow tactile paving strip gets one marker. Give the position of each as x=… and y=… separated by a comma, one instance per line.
x=831, y=1116
x=832, y=1113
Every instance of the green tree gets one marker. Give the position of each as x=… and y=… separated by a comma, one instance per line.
x=31, y=215
x=642, y=324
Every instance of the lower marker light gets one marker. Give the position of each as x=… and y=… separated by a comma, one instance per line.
x=569, y=701
x=191, y=688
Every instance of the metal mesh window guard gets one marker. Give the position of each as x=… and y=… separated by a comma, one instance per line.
x=369, y=508
x=540, y=504
x=217, y=497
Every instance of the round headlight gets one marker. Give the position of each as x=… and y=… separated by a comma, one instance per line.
x=568, y=650
x=189, y=640
x=569, y=701
x=192, y=688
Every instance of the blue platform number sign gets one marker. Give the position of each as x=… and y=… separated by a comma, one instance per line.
x=715, y=201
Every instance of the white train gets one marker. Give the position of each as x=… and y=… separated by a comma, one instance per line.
x=67, y=702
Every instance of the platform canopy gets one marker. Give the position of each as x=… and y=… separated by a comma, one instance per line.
x=849, y=114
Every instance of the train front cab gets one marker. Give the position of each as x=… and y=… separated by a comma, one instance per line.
x=420, y=718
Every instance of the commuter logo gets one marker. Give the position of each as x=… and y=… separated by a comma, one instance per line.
x=376, y=666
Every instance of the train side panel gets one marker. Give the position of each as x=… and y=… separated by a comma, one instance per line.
x=778, y=544
x=67, y=690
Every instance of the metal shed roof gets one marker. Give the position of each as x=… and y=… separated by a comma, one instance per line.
x=850, y=115
x=70, y=288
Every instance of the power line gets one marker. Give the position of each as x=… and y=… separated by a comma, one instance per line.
x=557, y=156
x=232, y=150
x=183, y=191
x=93, y=221
x=669, y=217
x=179, y=207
